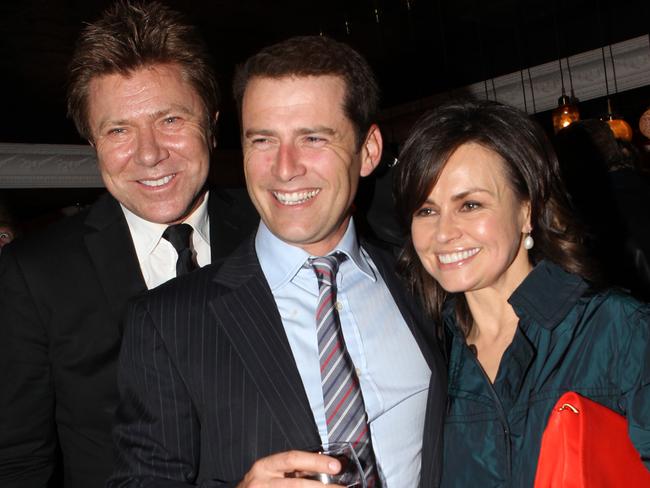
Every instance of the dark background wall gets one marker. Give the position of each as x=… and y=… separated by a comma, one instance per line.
x=418, y=48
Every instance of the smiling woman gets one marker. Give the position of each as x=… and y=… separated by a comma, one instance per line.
x=469, y=232
x=481, y=159
x=496, y=259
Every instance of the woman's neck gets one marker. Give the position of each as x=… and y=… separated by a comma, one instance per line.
x=492, y=315
x=494, y=320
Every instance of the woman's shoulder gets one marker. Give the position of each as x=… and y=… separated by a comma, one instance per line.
x=616, y=301
x=550, y=296
x=611, y=317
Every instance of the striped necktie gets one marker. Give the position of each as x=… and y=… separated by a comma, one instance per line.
x=344, y=408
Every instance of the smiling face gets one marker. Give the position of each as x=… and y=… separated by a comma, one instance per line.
x=149, y=130
x=301, y=162
x=469, y=232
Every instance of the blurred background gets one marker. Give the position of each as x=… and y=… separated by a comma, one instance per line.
x=522, y=52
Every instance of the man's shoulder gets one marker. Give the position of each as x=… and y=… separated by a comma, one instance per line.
x=185, y=301
x=60, y=239
x=186, y=285
x=208, y=282
x=234, y=201
x=379, y=250
x=230, y=195
x=49, y=242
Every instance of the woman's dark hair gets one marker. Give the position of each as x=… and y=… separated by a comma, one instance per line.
x=530, y=165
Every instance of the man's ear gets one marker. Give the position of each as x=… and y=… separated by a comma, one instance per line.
x=371, y=150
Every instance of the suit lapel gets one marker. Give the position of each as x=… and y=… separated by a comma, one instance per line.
x=113, y=255
x=232, y=218
x=250, y=318
x=220, y=225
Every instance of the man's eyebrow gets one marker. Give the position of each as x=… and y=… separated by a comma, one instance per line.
x=175, y=107
x=258, y=132
x=319, y=129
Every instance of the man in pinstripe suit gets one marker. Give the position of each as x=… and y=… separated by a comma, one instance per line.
x=219, y=371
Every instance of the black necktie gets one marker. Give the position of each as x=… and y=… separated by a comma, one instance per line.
x=179, y=237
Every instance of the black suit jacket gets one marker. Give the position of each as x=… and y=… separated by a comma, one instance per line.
x=63, y=293
x=208, y=382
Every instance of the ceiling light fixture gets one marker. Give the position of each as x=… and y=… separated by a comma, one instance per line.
x=567, y=110
x=621, y=129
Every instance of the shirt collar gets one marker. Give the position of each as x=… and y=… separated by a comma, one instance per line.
x=547, y=294
x=545, y=297
x=199, y=219
x=281, y=261
x=146, y=235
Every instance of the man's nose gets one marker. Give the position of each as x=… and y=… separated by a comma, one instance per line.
x=288, y=164
x=149, y=148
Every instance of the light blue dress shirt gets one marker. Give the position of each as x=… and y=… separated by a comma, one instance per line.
x=393, y=374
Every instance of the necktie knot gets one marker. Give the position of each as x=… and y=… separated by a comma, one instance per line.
x=179, y=236
x=326, y=267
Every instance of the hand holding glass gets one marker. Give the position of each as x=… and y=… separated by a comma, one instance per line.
x=350, y=475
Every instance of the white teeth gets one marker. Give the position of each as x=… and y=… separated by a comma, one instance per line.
x=457, y=256
x=160, y=182
x=296, y=197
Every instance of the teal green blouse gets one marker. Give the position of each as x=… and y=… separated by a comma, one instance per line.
x=568, y=339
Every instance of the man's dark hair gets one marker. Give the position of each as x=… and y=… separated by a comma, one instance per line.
x=131, y=35
x=317, y=56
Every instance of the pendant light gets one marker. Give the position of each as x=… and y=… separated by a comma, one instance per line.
x=567, y=110
x=644, y=121
x=620, y=128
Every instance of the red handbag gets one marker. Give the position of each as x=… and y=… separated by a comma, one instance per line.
x=586, y=445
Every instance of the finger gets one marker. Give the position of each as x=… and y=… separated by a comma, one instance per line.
x=289, y=461
x=298, y=483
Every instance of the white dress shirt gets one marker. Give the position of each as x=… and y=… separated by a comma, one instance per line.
x=157, y=256
x=393, y=374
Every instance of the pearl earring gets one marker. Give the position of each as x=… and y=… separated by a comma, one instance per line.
x=528, y=242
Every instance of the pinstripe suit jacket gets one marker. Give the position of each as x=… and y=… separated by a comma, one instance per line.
x=209, y=384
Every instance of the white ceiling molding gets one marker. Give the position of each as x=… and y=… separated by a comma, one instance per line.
x=67, y=166
x=631, y=58
x=48, y=166
x=632, y=62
